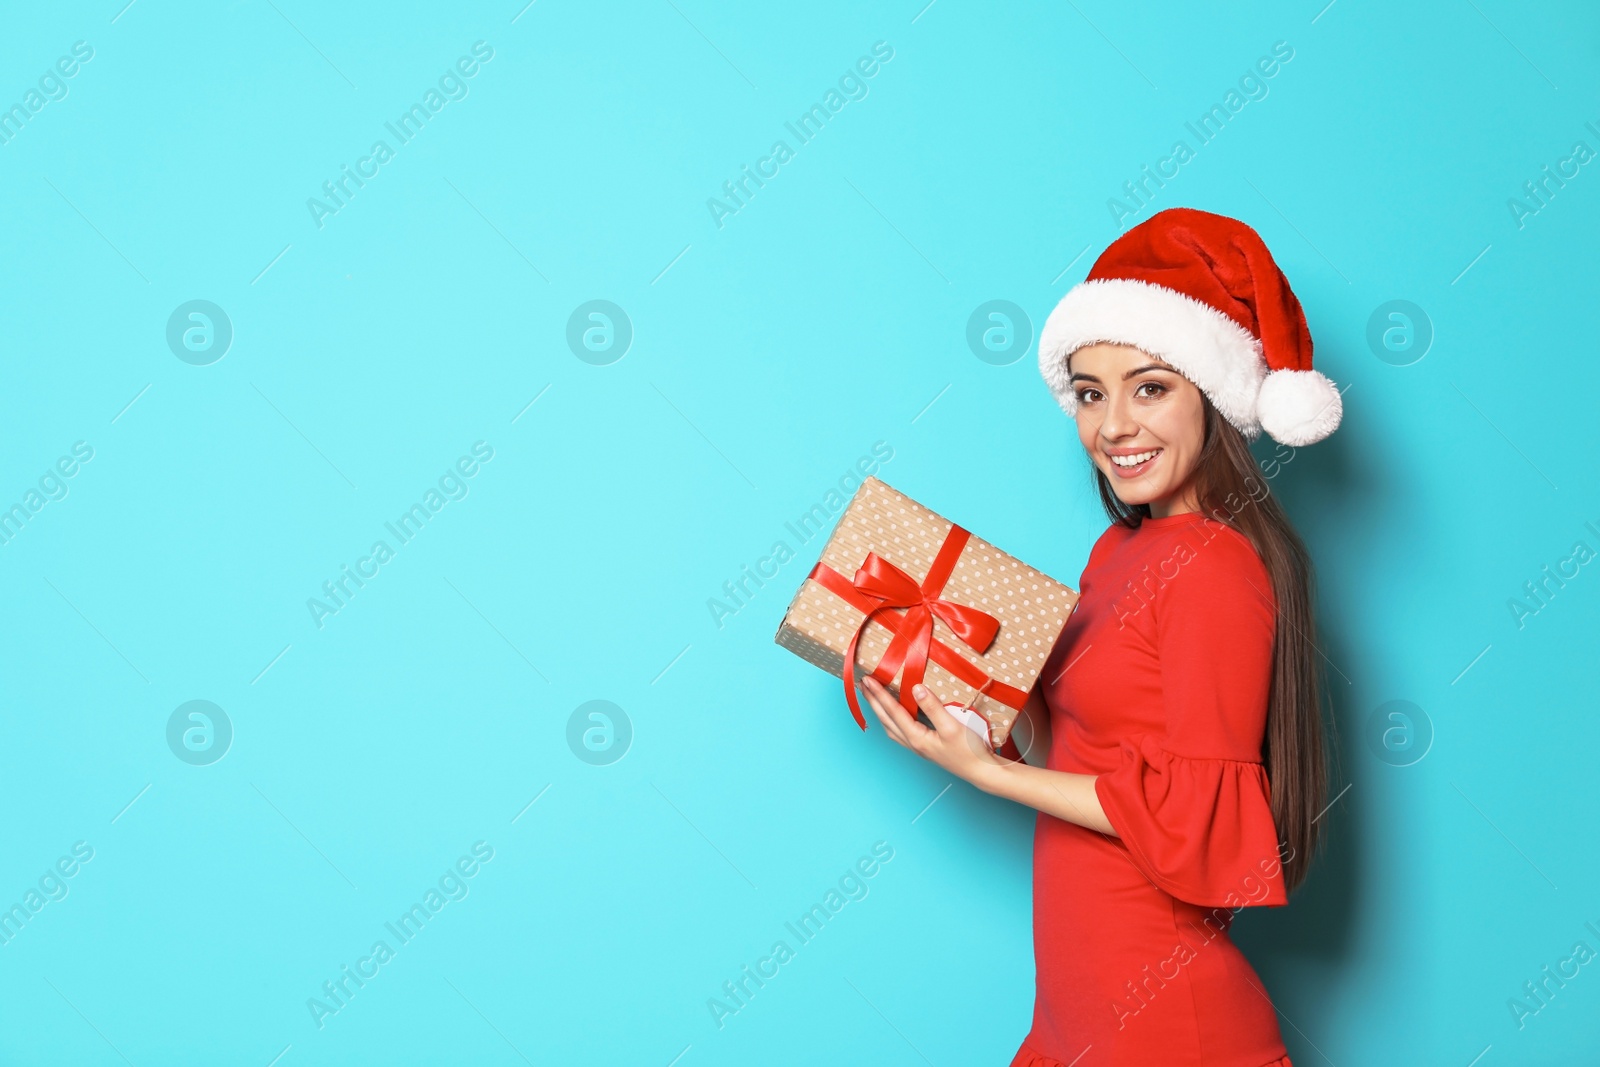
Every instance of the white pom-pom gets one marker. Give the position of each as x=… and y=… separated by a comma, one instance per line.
x=1299, y=407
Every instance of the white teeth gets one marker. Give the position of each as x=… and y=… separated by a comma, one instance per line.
x=1133, y=461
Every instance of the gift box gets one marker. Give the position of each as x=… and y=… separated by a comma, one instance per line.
x=906, y=596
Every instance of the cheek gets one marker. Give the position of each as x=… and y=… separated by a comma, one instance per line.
x=1088, y=424
x=1181, y=425
x=1181, y=432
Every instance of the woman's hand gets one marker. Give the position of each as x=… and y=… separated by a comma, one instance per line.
x=950, y=744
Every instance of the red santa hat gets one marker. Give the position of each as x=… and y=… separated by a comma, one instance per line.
x=1202, y=292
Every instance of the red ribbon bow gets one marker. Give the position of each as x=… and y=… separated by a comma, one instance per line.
x=879, y=587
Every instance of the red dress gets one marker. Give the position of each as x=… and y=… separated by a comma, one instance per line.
x=1158, y=684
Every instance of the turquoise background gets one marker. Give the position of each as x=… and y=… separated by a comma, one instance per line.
x=768, y=354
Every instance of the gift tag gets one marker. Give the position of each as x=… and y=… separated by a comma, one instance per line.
x=972, y=721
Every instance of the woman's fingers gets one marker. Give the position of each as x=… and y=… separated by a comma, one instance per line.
x=937, y=744
x=890, y=727
x=897, y=722
x=933, y=708
x=947, y=724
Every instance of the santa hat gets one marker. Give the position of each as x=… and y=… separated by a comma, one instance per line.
x=1202, y=292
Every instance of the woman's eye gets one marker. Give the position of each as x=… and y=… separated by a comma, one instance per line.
x=1156, y=386
x=1088, y=396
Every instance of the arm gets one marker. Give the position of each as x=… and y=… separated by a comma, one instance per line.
x=1067, y=796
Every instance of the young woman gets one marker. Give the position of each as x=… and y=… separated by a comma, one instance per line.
x=1176, y=752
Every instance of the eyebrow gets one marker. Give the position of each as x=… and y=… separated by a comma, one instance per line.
x=1079, y=376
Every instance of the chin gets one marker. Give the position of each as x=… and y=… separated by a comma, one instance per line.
x=1133, y=495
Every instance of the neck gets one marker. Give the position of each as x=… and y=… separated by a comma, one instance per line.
x=1180, y=503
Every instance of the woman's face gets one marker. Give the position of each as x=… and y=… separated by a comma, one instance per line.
x=1133, y=406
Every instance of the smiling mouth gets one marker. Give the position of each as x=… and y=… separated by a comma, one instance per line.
x=1131, y=466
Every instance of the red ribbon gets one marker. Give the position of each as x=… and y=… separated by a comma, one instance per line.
x=883, y=591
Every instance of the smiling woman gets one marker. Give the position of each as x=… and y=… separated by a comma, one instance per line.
x=1177, y=753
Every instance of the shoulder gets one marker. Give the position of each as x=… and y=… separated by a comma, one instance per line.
x=1113, y=536
x=1211, y=562
x=1224, y=548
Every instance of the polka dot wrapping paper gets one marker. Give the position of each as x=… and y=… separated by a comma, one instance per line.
x=1031, y=607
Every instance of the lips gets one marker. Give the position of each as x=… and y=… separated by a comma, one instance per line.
x=1133, y=464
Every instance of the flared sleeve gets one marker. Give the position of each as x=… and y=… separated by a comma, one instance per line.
x=1192, y=804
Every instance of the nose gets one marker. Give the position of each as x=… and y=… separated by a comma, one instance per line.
x=1118, y=421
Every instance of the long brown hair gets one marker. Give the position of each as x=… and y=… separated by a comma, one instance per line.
x=1230, y=488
